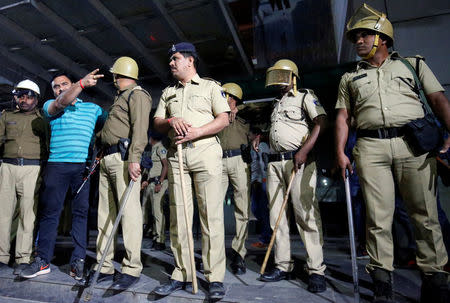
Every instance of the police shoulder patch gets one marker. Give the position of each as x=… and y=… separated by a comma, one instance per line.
x=223, y=93
x=163, y=151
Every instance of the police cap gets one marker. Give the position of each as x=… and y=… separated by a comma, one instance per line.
x=183, y=47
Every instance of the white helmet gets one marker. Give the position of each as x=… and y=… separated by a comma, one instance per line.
x=27, y=85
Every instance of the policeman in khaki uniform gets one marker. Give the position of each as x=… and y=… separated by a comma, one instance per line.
x=379, y=94
x=296, y=121
x=126, y=128
x=193, y=110
x=24, y=134
x=235, y=170
x=154, y=189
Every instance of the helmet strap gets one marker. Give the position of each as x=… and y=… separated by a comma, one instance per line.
x=374, y=47
x=294, y=80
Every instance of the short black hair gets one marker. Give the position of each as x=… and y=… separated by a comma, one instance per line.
x=63, y=73
x=389, y=42
x=189, y=54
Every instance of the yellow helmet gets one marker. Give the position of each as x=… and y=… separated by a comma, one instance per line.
x=125, y=66
x=233, y=89
x=369, y=18
x=280, y=73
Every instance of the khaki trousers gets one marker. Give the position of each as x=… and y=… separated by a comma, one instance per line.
x=235, y=170
x=306, y=214
x=155, y=201
x=380, y=163
x=114, y=180
x=18, y=184
x=203, y=166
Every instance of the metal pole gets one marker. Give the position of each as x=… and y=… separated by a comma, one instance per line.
x=352, y=238
x=89, y=293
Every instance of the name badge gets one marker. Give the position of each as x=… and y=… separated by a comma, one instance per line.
x=359, y=77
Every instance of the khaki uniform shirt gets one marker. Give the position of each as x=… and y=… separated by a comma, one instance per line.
x=290, y=118
x=159, y=152
x=379, y=96
x=128, y=121
x=198, y=102
x=26, y=135
x=235, y=134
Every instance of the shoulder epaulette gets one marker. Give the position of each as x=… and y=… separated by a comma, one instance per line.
x=211, y=79
x=306, y=91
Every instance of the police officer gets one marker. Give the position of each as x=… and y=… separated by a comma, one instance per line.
x=24, y=135
x=124, y=138
x=154, y=191
x=379, y=94
x=236, y=170
x=193, y=110
x=296, y=121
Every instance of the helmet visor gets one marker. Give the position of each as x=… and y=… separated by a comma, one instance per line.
x=22, y=92
x=366, y=12
x=278, y=77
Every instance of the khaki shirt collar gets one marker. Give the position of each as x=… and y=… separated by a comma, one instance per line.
x=194, y=80
x=363, y=64
x=290, y=93
x=120, y=91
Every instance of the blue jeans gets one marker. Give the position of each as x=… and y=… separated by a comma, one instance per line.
x=58, y=177
x=260, y=208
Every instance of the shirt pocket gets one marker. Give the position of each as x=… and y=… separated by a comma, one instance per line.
x=199, y=103
x=293, y=113
x=364, y=88
x=12, y=130
x=403, y=83
x=173, y=108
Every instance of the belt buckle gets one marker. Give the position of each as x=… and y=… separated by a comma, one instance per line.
x=282, y=156
x=20, y=161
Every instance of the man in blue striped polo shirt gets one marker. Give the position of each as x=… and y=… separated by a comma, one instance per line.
x=73, y=124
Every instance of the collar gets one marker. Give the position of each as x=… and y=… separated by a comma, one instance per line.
x=131, y=86
x=195, y=80
x=363, y=64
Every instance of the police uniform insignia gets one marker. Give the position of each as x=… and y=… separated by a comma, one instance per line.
x=359, y=77
x=163, y=151
x=317, y=103
x=223, y=94
x=173, y=48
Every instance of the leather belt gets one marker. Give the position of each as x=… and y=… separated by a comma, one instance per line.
x=111, y=150
x=281, y=156
x=22, y=161
x=231, y=153
x=381, y=133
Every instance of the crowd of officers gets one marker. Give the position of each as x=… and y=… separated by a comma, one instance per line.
x=202, y=116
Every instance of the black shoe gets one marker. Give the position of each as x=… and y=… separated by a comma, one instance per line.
x=77, y=269
x=274, y=276
x=382, y=286
x=101, y=277
x=216, y=290
x=19, y=267
x=36, y=268
x=238, y=265
x=158, y=246
x=317, y=283
x=434, y=288
x=124, y=281
x=170, y=287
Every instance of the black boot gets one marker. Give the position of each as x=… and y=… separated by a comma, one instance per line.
x=237, y=264
x=434, y=288
x=382, y=286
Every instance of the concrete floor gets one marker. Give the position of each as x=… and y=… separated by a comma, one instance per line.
x=59, y=287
